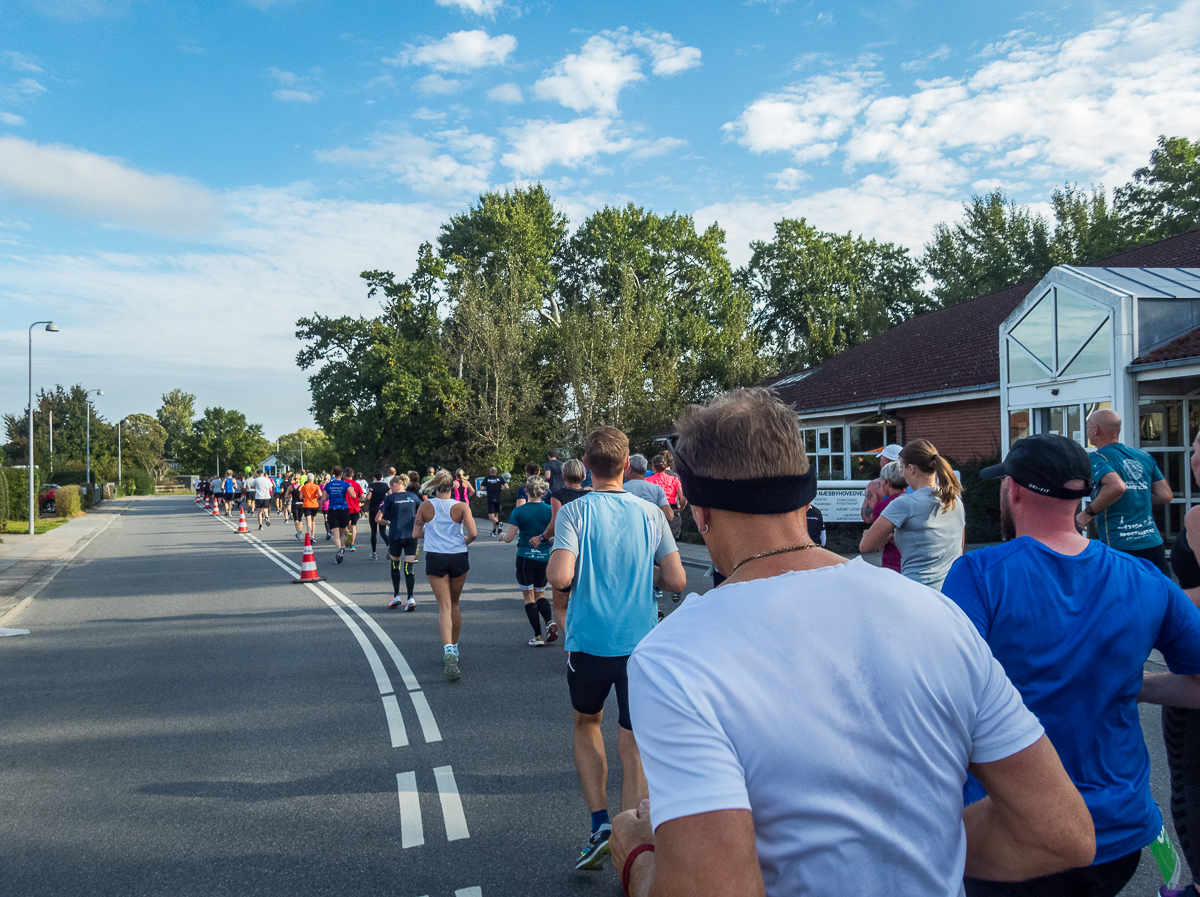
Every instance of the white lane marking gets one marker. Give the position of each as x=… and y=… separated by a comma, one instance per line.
x=406, y=673
x=469, y=892
x=412, y=834
x=452, y=808
x=395, y=721
x=373, y=658
x=429, y=726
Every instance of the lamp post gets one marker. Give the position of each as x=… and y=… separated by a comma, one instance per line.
x=119, y=478
x=88, y=443
x=52, y=328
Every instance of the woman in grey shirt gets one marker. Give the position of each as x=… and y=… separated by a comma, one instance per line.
x=928, y=524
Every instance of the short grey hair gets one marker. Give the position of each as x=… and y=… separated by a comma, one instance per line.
x=637, y=463
x=893, y=472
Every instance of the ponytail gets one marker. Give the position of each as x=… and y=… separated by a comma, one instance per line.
x=922, y=454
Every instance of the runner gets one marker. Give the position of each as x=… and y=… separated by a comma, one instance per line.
x=606, y=548
x=554, y=471
x=264, y=488
x=310, y=503
x=399, y=513
x=529, y=520
x=531, y=470
x=494, y=485
x=337, y=514
x=325, y=478
x=441, y=521
x=376, y=493
x=229, y=492
x=463, y=490
x=669, y=483
x=353, y=502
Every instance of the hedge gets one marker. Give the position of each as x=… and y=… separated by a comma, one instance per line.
x=18, y=491
x=68, y=501
x=138, y=482
x=3, y=502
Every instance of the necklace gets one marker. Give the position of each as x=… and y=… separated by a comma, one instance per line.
x=767, y=554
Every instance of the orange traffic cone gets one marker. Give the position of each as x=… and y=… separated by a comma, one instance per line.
x=216, y=508
x=308, y=564
x=242, y=528
x=208, y=503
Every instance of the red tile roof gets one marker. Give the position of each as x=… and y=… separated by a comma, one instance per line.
x=952, y=349
x=1186, y=346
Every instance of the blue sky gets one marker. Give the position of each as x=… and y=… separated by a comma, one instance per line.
x=180, y=182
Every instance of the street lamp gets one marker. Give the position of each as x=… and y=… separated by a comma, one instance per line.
x=52, y=328
x=86, y=393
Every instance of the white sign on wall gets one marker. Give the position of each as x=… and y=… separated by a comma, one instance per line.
x=840, y=501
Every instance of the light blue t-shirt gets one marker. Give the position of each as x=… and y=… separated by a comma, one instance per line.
x=1127, y=523
x=616, y=538
x=651, y=492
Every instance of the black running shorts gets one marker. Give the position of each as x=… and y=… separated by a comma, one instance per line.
x=400, y=548
x=452, y=565
x=590, y=678
x=227, y=496
x=311, y=512
x=260, y=503
x=493, y=506
x=338, y=518
x=354, y=515
x=531, y=574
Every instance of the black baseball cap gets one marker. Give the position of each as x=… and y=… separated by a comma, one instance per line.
x=1042, y=464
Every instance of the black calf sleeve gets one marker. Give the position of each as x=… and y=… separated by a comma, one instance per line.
x=396, y=578
x=543, y=606
x=410, y=577
x=531, y=611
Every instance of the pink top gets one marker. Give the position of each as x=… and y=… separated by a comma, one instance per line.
x=669, y=484
x=891, y=554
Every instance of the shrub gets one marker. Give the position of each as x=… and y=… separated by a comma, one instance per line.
x=3, y=502
x=981, y=498
x=18, y=492
x=68, y=501
x=138, y=482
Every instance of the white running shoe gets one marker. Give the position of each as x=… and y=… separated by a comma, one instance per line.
x=412, y=604
x=395, y=602
x=536, y=642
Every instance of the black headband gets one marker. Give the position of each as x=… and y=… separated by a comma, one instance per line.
x=765, y=495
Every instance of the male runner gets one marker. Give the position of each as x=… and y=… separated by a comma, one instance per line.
x=376, y=492
x=338, y=513
x=554, y=468
x=353, y=498
x=399, y=512
x=494, y=484
x=531, y=470
x=605, y=551
x=229, y=492
x=263, y=487
x=310, y=503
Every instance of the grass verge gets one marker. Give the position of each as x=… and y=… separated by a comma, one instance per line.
x=41, y=525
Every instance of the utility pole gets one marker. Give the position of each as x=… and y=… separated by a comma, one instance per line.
x=120, y=479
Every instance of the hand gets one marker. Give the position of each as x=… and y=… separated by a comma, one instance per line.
x=535, y=541
x=1082, y=519
x=630, y=829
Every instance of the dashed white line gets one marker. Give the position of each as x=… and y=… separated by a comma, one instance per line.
x=429, y=726
x=452, y=808
x=381, y=676
x=469, y=892
x=412, y=834
x=406, y=673
x=395, y=721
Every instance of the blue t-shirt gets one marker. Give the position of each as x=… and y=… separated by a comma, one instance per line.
x=617, y=539
x=400, y=512
x=1127, y=523
x=531, y=519
x=336, y=490
x=1072, y=633
x=230, y=484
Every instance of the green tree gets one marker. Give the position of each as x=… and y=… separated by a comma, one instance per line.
x=1163, y=199
x=318, y=451
x=997, y=244
x=222, y=440
x=1086, y=227
x=817, y=294
x=176, y=413
x=142, y=442
x=70, y=409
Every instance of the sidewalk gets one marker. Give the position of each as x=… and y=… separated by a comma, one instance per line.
x=27, y=563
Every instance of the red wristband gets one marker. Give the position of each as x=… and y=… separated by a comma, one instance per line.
x=633, y=855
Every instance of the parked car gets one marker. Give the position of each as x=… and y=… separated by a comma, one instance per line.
x=46, y=501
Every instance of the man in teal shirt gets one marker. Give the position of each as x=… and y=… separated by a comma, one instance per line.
x=1128, y=485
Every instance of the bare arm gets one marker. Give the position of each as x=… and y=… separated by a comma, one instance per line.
x=1112, y=487
x=1161, y=493
x=468, y=520
x=1033, y=821
x=560, y=570
x=510, y=535
x=422, y=519
x=548, y=533
x=877, y=536
x=669, y=575
x=667, y=512
x=705, y=855
x=870, y=497
x=1170, y=688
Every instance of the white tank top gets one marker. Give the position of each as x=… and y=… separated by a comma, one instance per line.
x=442, y=534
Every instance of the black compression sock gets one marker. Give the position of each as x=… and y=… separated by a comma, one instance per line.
x=396, y=578
x=543, y=607
x=410, y=578
x=531, y=611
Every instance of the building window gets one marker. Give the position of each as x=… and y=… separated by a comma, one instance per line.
x=848, y=451
x=1061, y=332
x=1165, y=430
x=1018, y=426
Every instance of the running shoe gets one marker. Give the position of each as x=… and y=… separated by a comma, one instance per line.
x=260, y=526
x=395, y=602
x=340, y=555
x=536, y=642
x=595, y=849
x=374, y=557
x=661, y=615
x=298, y=535
x=451, y=661
x=268, y=520
x=657, y=594
x=412, y=604
x=328, y=536
x=351, y=547
x=551, y=632
x=676, y=597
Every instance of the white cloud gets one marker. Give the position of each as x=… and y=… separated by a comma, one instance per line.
x=825, y=18
x=790, y=178
x=537, y=145
x=286, y=95
x=924, y=61
x=107, y=189
x=11, y=120
x=649, y=149
x=506, y=93
x=436, y=84
x=451, y=162
x=669, y=56
x=461, y=51
x=22, y=62
x=478, y=7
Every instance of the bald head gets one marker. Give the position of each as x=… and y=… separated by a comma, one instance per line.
x=1103, y=426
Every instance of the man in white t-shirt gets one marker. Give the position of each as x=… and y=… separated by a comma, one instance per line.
x=264, y=488
x=814, y=741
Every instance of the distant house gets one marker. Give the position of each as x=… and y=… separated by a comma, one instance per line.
x=1123, y=332
x=273, y=466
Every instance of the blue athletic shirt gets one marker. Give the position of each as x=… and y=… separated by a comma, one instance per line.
x=336, y=489
x=617, y=539
x=531, y=519
x=400, y=512
x=230, y=484
x=1128, y=523
x=1072, y=633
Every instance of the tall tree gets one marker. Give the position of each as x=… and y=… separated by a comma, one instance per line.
x=176, y=413
x=1086, y=227
x=307, y=449
x=222, y=440
x=817, y=294
x=1163, y=199
x=142, y=441
x=995, y=245
x=70, y=410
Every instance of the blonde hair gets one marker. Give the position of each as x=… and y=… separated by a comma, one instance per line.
x=744, y=434
x=535, y=488
x=402, y=479
x=893, y=473
x=922, y=455
x=573, y=471
x=443, y=481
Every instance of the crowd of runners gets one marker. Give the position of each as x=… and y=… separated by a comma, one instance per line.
x=951, y=722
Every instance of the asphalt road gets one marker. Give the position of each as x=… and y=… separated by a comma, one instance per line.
x=183, y=720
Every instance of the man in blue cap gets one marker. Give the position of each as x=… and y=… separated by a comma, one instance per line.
x=1072, y=622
